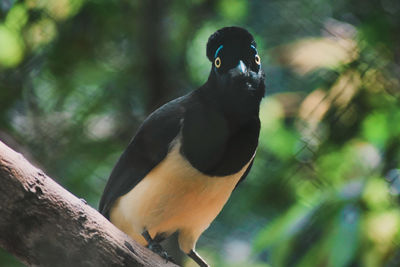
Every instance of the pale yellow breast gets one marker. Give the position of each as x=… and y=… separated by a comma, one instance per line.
x=173, y=196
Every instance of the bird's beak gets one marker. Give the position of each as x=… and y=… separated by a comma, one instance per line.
x=241, y=67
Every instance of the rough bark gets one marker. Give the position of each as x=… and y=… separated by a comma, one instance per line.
x=43, y=224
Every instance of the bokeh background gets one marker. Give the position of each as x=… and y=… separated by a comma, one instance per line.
x=77, y=77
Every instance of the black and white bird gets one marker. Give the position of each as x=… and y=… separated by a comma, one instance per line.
x=188, y=156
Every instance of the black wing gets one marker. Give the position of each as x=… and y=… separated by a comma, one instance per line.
x=245, y=173
x=148, y=148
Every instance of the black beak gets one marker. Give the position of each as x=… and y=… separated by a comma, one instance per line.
x=241, y=67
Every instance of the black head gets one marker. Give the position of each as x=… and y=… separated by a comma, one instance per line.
x=236, y=68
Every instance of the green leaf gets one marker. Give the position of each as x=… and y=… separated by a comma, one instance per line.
x=11, y=47
x=375, y=129
x=344, y=237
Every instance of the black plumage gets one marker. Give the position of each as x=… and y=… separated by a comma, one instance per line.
x=215, y=128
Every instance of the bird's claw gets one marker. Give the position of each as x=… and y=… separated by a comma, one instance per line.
x=157, y=248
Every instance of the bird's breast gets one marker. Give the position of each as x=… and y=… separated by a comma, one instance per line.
x=173, y=196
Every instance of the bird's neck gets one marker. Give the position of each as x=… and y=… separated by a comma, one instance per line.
x=237, y=109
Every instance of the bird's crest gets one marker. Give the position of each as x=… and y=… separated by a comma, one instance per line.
x=228, y=35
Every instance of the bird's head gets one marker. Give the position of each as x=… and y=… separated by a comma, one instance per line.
x=236, y=67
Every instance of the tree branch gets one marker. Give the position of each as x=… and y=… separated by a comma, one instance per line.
x=43, y=224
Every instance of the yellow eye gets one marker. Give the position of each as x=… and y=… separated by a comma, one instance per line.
x=258, y=60
x=217, y=62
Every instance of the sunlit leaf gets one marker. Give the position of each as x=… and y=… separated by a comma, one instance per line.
x=376, y=194
x=233, y=10
x=274, y=136
x=383, y=226
x=309, y=54
x=11, y=47
x=41, y=33
x=199, y=65
x=375, y=128
x=63, y=9
x=17, y=17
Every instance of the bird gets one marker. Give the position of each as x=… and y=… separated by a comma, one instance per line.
x=189, y=155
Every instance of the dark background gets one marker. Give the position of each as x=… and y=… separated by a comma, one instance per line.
x=78, y=77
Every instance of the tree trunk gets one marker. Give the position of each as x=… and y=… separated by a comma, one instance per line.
x=43, y=224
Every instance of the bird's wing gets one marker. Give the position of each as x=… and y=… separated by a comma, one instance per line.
x=147, y=149
x=245, y=173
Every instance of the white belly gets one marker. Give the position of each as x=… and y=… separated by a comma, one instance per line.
x=173, y=196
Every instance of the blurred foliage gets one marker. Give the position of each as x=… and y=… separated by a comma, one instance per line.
x=78, y=76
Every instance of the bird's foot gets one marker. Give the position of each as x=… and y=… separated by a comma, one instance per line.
x=157, y=248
